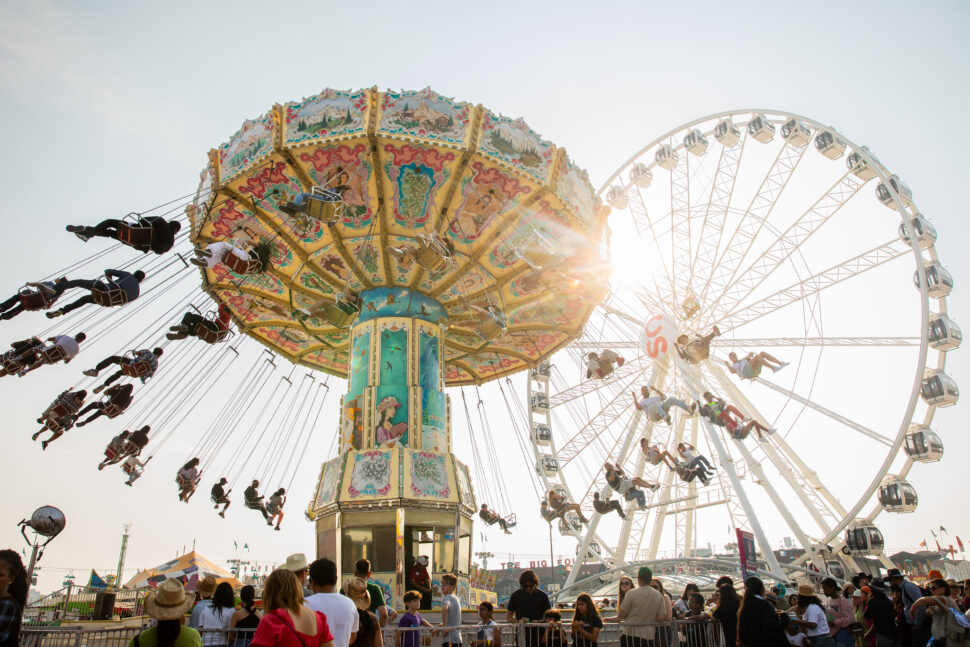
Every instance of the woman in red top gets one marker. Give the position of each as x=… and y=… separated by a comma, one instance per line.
x=286, y=621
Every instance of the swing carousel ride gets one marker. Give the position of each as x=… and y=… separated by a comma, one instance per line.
x=406, y=241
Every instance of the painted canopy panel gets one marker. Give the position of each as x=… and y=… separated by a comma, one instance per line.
x=522, y=220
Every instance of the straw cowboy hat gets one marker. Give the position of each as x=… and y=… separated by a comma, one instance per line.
x=206, y=586
x=170, y=602
x=806, y=590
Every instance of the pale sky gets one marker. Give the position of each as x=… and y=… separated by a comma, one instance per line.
x=110, y=107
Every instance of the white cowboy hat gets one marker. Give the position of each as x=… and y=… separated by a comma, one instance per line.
x=296, y=562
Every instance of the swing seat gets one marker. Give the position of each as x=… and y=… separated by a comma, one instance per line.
x=139, y=368
x=432, y=253
x=60, y=409
x=537, y=252
x=11, y=362
x=109, y=295
x=59, y=424
x=239, y=265
x=253, y=505
x=740, y=433
x=341, y=313
x=111, y=410
x=605, y=370
x=114, y=454
x=32, y=299
x=130, y=469
x=51, y=354
x=492, y=328
x=135, y=234
x=210, y=333
x=511, y=520
x=324, y=205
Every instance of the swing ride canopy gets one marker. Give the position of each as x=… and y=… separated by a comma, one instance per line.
x=524, y=221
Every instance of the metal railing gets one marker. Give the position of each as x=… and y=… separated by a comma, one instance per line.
x=676, y=633
x=74, y=602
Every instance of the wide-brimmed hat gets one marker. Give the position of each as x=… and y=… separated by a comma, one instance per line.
x=296, y=562
x=170, y=602
x=206, y=586
x=806, y=590
x=357, y=591
x=878, y=586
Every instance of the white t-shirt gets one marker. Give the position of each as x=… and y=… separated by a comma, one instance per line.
x=651, y=407
x=689, y=455
x=798, y=639
x=814, y=613
x=71, y=348
x=486, y=631
x=342, y=617
x=212, y=618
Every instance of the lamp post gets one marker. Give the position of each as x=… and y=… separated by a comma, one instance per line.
x=47, y=521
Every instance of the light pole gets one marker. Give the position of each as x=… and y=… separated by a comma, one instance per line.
x=47, y=521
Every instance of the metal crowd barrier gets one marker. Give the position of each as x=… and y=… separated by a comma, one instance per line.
x=677, y=633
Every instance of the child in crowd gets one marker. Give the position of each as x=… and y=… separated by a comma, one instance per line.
x=554, y=635
x=410, y=618
x=488, y=634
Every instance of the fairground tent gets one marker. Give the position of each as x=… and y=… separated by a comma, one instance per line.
x=189, y=568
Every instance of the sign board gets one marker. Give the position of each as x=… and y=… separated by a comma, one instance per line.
x=746, y=551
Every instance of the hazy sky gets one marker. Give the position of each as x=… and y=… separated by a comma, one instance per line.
x=110, y=107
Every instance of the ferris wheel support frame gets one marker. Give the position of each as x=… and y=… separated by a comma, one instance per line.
x=690, y=381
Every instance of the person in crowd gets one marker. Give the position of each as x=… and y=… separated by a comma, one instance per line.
x=657, y=407
x=624, y=586
x=553, y=635
x=841, y=610
x=168, y=607
x=796, y=636
x=148, y=360
x=411, y=619
x=42, y=296
x=60, y=415
x=245, y=618
x=813, y=618
x=340, y=610
x=187, y=478
x=189, y=326
x=13, y=597
x=943, y=626
x=899, y=617
x=214, y=253
x=558, y=503
x=602, y=365
x=730, y=417
x=450, y=611
x=859, y=601
x=160, y=239
x=641, y=605
x=587, y=624
x=726, y=613
x=607, y=505
x=116, y=400
x=31, y=354
x=375, y=594
x=664, y=633
x=254, y=500
x=528, y=604
x=419, y=579
x=114, y=280
x=655, y=454
x=220, y=496
x=369, y=629
x=682, y=606
x=215, y=619
x=205, y=589
x=488, y=633
x=694, y=631
x=758, y=624
x=697, y=350
x=491, y=517
x=776, y=596
x=880, y=611
x=274, y=507
x=919, y=624
x=297, y=564
x=286, y=620
x=750, y=367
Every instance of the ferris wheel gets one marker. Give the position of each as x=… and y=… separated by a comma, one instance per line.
x=767, y=233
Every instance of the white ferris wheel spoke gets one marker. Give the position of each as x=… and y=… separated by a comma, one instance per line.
x=814, y=284
x=680, y=243
x=643, y=224
x=851, y=424
x=712, y=227
x=787, y=243
x=794, y=342
x=752, y=221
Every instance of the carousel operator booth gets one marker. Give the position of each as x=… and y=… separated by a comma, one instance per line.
x=416, y=242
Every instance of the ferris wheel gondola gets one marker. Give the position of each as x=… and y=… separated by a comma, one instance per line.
x=747, y=230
